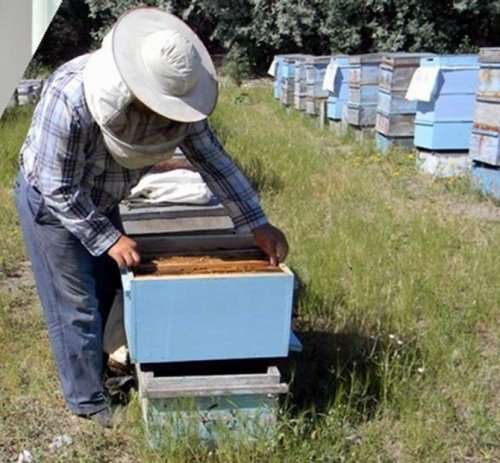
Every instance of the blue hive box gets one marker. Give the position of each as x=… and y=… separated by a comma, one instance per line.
x=445, y=122
x=215, y=316
x=277, y=77
x=487, y=179
x=339, y=97
x=281, y=64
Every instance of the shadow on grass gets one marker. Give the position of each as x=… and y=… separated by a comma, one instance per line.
x=335, y=368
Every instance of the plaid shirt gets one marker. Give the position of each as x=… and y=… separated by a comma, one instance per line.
x=65, y=158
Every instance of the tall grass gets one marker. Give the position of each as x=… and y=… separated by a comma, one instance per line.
x=13, y=128
x=397, y=309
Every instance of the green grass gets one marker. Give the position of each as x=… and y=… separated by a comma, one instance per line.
x=398, y=307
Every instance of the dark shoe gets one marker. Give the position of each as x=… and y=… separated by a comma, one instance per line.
x=103, y=417
x=118, y=388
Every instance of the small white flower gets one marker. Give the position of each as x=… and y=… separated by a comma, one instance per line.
x=25, y=457
x=399, y=342
x=421, y=370
x=392, y=336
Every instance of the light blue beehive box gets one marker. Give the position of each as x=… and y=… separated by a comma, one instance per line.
x=277, y=77
x=487, y=179
x=281, y=70
x=485, y=139
x=445, y=122
x=338, y=98
x=179, y=318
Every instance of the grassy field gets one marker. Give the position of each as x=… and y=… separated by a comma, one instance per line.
x=398, y=308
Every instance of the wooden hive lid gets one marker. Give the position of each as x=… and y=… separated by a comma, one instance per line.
x=489, y=55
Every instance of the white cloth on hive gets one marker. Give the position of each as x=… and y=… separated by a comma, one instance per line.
x=272, y=68
x=423, y=84
x=330, y=76
x=179, y=186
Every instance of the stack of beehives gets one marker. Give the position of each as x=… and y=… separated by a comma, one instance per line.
x=299, y=95
x=395, y=120
x=445, y=87
x=363, y=90
x=288, y=78
x=336, y=81
x=27, y=92
x=485, y=139
x=282, y=70
x=315, y=68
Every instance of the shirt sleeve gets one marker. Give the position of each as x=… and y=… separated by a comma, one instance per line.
x=204, y=151
x=62, y=139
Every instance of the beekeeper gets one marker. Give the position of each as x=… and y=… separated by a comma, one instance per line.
x=103, y=120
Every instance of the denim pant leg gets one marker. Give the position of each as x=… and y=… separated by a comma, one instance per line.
x=74, y=302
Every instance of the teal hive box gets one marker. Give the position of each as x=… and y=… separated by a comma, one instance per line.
x=198, y=317
x=210, y=409
x=487, y=179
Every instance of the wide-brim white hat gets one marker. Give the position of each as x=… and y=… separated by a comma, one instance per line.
x=164, y=64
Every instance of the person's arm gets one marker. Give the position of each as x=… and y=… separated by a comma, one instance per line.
x=62, y=136
x=204, y=151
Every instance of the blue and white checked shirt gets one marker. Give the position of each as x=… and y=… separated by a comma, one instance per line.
x=65, y=158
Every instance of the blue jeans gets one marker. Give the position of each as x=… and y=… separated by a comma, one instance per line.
x=76, y=290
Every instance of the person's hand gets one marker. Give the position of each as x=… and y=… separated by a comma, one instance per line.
x=272, y=241
x=124, y=252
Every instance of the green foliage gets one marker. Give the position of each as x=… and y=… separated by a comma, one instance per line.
x=106, y=12
x=251, y=31
x=411, y=25
x=67, y=36
x=237, y=66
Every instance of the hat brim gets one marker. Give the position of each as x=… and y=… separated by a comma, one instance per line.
x=128, y=34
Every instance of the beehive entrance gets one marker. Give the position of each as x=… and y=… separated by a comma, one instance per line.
x=207, y=263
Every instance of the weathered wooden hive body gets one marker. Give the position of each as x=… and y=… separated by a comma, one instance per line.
x=315, y=68
x=363, y=89
x=485, y=139
x=445, y=122
x=338, y=98
x=395, y=119
x=214, y=407
x=300, y=87
x=288, y=78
